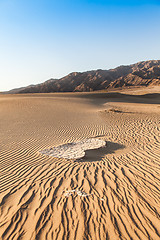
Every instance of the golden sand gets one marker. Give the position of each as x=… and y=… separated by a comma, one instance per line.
x=111, y=193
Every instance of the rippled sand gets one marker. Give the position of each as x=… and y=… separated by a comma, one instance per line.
x=111, y=193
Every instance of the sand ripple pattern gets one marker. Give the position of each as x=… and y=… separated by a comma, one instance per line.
x=115, y=196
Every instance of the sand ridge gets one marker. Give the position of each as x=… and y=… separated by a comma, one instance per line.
x=41, y=196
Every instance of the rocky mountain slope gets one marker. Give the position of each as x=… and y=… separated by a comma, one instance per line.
x=140, y=74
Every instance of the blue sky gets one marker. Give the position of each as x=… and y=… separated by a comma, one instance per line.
x=42, y=39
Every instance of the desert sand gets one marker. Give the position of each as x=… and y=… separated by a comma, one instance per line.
x=112, y=192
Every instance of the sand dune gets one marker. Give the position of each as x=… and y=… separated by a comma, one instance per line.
x=111, y=193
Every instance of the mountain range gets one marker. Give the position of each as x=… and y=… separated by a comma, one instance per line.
x=144, y=73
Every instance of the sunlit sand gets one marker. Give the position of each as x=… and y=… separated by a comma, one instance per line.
x=71, y=168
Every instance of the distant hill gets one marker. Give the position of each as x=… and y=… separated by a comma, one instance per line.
x=145, y=73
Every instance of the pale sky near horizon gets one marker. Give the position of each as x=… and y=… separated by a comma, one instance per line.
x=43, y=39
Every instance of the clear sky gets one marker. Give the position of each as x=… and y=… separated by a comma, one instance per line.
x=42, y=39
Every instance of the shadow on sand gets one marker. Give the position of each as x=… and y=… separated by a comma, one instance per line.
x=98, y=154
